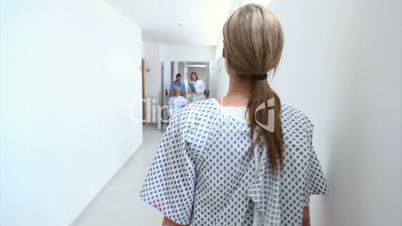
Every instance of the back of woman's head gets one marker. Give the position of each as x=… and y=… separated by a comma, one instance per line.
x=253, y=40
x=253, y=43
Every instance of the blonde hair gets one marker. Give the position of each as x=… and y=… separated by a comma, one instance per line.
x=253, y=43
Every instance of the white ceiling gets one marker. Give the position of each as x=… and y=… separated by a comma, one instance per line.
x=202, y=20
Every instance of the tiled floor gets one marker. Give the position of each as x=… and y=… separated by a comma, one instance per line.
x=118, y=204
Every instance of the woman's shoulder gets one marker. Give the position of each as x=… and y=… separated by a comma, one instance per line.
x=196, y=109
x=294, y=117
x=291, y=116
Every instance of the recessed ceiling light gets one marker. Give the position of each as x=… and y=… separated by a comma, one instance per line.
x=180, y=22
x=196, y=65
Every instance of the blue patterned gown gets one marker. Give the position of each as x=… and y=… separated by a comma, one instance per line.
x=205, y=173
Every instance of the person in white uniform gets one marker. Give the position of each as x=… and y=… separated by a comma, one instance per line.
x=197, y=87
x=214, y=168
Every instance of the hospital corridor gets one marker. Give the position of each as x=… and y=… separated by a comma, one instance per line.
x=200, y=113
x=118, y=203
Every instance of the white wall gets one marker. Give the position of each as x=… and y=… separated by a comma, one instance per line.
x=342, y=65
x=172, y=52
x=152, y=59
x=69, y=72
x=219, y=79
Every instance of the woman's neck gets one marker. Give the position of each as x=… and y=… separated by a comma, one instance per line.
x=238, y=93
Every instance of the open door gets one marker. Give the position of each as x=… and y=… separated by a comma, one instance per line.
x=144, y=110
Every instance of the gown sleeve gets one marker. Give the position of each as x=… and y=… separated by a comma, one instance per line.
x=315, y=182
x=170, y=182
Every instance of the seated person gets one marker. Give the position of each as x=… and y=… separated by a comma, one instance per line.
x=176, y=102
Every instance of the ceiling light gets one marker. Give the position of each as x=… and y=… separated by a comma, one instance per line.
x=196, y=65
x=180, y=22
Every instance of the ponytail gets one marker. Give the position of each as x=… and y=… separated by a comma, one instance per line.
x=253, y=42
x=260, y=94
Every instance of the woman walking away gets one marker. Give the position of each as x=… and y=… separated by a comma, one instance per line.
x=217, y=167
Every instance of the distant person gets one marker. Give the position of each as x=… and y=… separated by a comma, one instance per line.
x=197, y=88
x=177, y=84
x=176, y=102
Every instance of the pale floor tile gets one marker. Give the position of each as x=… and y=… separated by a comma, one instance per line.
x=118, y=204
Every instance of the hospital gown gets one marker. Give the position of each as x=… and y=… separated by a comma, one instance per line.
x=205, y=173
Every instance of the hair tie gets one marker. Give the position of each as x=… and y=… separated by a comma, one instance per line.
x=255, y=77
x=259, y=77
